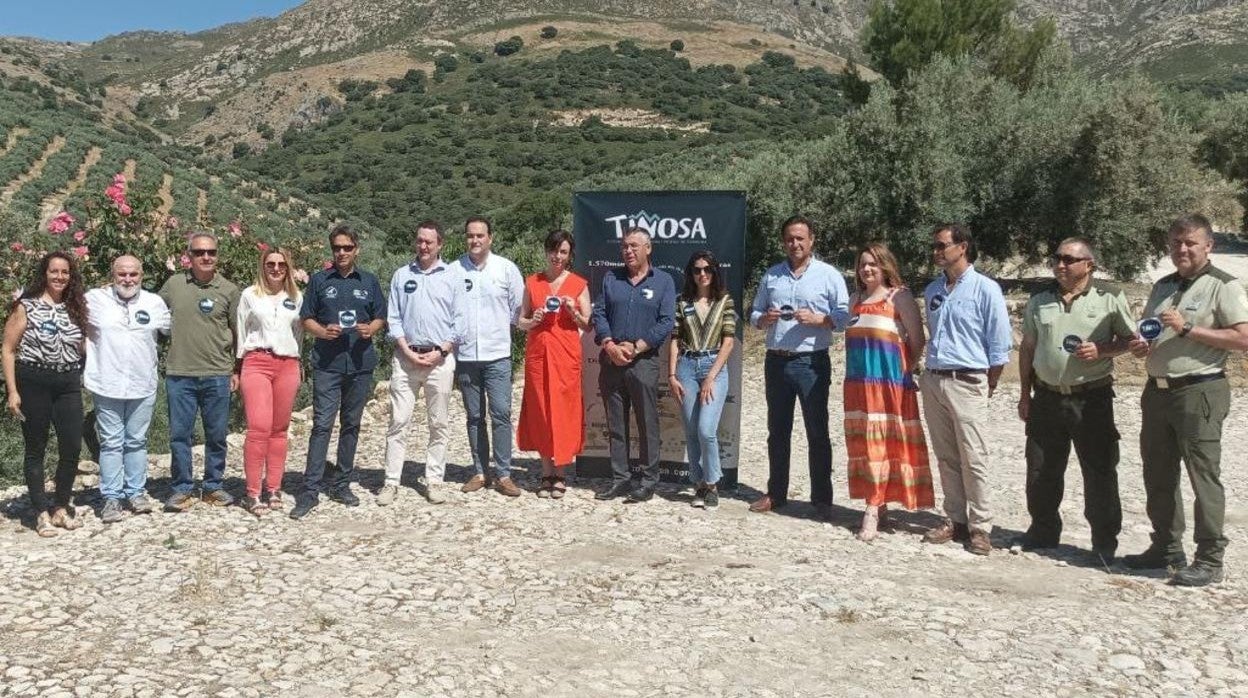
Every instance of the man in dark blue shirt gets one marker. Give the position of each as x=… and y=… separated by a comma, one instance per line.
x=343, y=308
x=633, y=315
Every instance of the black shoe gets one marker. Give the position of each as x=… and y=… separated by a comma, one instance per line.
x=641, y=494
x=615, y=491
x=1029, y=542
x=303, y=506
x=1197, y=575
x=711, y=499
x=1155, y=559
x=344, y=496
x=1104, y=554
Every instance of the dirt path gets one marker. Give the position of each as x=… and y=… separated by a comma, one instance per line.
x=12, y=138
x=201, y=207
x=129, y=169
x=53, y=204
x=166, y=196
x=36, y=169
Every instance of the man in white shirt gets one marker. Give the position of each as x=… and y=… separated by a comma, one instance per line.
x=120, y=372
x=494, y=290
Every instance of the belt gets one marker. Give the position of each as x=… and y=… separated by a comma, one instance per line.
x=788, y=354
x=1075, y=389
x=955, y=372
x=698, y=354
x=54, y=368
x=1183, y=381
x=267, y=350
x=424, y=348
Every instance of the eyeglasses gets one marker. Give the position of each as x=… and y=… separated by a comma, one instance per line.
x=698, y=271
x=941, y=246
x=343, y=248
x=274, y=265
x=1067, y=259
x=203, y=253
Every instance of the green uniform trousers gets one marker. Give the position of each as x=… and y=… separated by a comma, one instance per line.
x=1185, y=424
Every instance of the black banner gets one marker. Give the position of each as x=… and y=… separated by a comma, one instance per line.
x=680, y=223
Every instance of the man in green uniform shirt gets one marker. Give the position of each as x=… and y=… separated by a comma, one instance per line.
x=1071, y=332
x=1203, y=314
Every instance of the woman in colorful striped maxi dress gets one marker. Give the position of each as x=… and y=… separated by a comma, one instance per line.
x=883, y=433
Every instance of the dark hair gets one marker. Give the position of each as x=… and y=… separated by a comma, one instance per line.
x=75, y=295
x=344, y=229
x=557, y=238
x=429, y=224
x=1190, y=223
x=489, y=229
x=798, y=220
x=689, y=290
x=886, y=261
x=959, y=233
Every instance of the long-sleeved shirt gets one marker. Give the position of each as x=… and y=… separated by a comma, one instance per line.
x=967, y=326
x=494, y=292
x=627, y=313
x=269, y=322
x=820, y=288
x=347, y=301
x=121, y=343
x=427, y=306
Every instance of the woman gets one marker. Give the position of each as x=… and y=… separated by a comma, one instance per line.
x=554, y=311
x=43, y=349
x=270, y=335
x=883, y=434
x=706, y=328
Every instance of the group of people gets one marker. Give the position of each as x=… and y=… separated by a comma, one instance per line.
x=450, y=324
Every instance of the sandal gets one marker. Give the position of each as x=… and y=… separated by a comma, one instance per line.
x=43, y=525
x=557, y=488
x=870, y=523
x=62, y=518
x=885, y=524
x=275, y=500
x=254, y=506
x=543, y=490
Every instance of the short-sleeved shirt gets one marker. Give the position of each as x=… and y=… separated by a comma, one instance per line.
x=968, y=325
x=348, y=301
x=203, y=325
x=820, y=288
x=1212, y=299
x=121, y=343
x=704, y=334
x=51, y=339
x=1100, y=314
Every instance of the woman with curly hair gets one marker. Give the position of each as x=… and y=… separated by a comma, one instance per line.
x=42, y=354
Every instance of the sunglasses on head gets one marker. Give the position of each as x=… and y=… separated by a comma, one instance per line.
x=203, y=253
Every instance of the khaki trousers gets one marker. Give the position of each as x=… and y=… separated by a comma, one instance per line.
x=957, y=414
x=405, y=382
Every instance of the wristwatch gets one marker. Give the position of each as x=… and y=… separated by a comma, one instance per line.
x=442, y=351
x=1187, y=327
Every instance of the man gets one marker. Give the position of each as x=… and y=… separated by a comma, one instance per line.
x=1071, y=332
x=799, y=303
x=635, y=312
x=343, y=308
x=969, y=345
x=122, y=323
x=1203, y=315
x=199, y=371
x=494, y=291
x=426, y=317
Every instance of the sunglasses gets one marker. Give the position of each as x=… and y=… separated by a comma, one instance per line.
x=275, y=265
x=1067, y=259
x=941, y=246
x=203, y=253
x=343, y=248
x=698, y=271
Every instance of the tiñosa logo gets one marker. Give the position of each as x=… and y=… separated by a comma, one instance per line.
x=658, y=226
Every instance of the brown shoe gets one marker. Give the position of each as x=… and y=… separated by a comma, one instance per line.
x=764, y=504
x=476, y=483
x=943, y=533
x=507, y=486
x=979, y=544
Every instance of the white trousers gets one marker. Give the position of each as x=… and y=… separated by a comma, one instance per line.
x=405, y=382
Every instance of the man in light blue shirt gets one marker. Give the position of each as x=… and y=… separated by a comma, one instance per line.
x=799, y=303
x=968, y=345
x=426, y=320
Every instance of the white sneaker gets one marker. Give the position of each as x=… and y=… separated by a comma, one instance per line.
x=386, y=496
x=435, y=493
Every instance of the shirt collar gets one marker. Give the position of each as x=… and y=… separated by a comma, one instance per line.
x=355, y=273
x=214, y=282
x=439, y=265
x=1185, y=284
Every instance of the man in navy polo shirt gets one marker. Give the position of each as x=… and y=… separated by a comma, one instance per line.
x=343, y=308
x=634, y=314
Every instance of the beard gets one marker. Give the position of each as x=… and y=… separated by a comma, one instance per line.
x=125, y=292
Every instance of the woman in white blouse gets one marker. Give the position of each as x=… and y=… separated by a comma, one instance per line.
x=270, y=335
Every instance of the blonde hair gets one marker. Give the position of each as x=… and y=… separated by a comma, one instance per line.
x=288, y=286
x=886, y=261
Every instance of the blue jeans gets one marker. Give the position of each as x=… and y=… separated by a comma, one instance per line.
x=804, y=378
x=121, y=425
x=209, y=396
x=344, y=395
x=482, y=382
x=702, y=421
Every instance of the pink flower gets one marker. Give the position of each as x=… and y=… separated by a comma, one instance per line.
x=81, y=251
x=60, y=223
x=16, y=247
x=119, y=179
x=185, y=262
x=171, y=222
x=124, y=208
x=301, y=276
x=327, y=265
x=262, y=247
x=80, y=235
x=236, y=230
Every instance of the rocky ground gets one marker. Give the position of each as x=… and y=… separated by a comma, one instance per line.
x=486, y=595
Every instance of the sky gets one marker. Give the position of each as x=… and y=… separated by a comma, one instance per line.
x=89, y=20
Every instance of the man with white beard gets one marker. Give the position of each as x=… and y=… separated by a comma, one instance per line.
x=120, y=372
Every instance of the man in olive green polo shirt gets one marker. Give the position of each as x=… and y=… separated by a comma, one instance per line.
x=1071, y=332
x=1200, y=313
x=199, y=371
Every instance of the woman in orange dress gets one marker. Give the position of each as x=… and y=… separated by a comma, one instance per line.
x=554, y=312
x=883, y=434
